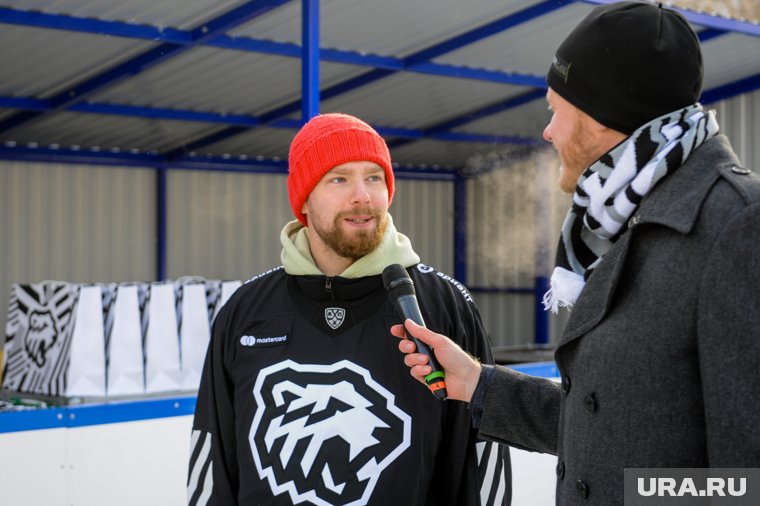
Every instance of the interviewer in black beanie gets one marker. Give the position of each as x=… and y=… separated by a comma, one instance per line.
x=657, y=258
x=627, y=63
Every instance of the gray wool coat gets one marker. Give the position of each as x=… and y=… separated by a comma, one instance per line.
x=660, y=359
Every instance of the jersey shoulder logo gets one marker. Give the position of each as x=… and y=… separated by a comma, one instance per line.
x=426, y=269
x=335, y=316
x=324, y=433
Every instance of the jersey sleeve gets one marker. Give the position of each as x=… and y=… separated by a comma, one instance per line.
x=213, y=468
x=471, y=471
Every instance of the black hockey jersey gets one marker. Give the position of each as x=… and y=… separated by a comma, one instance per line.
x=305, y=399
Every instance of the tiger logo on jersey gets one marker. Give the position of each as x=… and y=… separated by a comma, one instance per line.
x=324, y=433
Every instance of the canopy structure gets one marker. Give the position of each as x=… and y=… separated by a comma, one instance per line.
x=225, y=84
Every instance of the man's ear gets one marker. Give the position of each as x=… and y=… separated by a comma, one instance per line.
x=608, y=135
x=593, y=125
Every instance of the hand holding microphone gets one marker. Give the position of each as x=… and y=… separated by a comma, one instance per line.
x=401, y=293
x=460, y=370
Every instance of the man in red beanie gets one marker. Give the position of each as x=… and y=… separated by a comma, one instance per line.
x=303, y=399
x=659, y=261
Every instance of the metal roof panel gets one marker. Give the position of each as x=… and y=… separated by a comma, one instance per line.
x=418, y=101
x=390, y=27
x=526, y=48
x=38, y=62
x=179, y=14
x=89, y=131
x=211, y=79
x=730, y=57
x=214, y=88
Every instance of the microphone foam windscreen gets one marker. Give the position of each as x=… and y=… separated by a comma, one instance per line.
x=397, y=281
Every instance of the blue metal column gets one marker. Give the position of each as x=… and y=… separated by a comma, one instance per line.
x=460, y=229
x=541, y=283
x=541, y=316
x=161, y=189
x=309, y=59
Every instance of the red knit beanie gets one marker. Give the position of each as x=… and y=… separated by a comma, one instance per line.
x=326, y=141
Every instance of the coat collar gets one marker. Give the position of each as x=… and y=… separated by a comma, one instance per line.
x=675, y=202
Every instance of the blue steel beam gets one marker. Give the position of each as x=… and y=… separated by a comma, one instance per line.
x=28, y=104
x=157, y=161
x=460, y=229
x=540, y=315
x=146, y=60
x=162, y=191
x=79, y=156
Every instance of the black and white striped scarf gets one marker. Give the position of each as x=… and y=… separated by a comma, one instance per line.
x=609, y=191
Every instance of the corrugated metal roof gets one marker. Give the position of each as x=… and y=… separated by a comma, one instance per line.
x=38, y=63
x=178, y=14
x=389, y=27
x=439, y=77
x=729, y=58
x=416, y=101
x=527, y=48
x=527, y=120
x=209, y=79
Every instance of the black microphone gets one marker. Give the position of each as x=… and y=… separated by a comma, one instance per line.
x=401, y=293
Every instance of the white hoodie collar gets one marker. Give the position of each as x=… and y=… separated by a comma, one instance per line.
x=396, y=248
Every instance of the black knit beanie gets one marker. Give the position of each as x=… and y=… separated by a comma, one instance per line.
x=627, y=63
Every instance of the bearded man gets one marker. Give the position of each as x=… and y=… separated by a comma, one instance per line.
x=303, y=398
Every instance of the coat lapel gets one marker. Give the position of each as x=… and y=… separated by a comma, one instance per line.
x=595, y=299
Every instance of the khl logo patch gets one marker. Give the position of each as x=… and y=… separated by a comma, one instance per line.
x=335, y=317
x=324, y=433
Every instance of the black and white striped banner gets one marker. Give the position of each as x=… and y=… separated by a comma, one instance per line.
x=96, y=340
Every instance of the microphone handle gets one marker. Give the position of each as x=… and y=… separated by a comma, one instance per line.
x=407, y=307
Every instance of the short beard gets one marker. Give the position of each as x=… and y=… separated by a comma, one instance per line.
x=362, y=243
x=579, y=154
